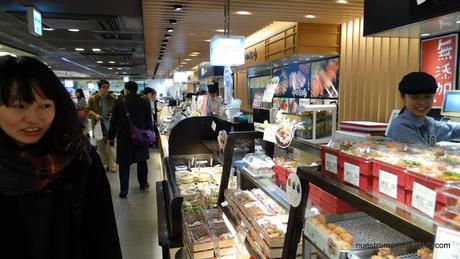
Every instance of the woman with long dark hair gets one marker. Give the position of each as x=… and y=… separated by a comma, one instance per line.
x=81, y=109
x=54, y=195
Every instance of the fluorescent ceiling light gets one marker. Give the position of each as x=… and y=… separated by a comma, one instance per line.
x=96, y=49
x=310, y=16
x=100, y=61
x=73, y=30
x=112, y=62
x=79, y=49
x=243, y=13
x=425, y=34
x=48, y=29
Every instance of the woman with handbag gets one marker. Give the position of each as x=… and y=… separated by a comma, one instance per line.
x=55, y=198
x=81, y=109
x=132, y=124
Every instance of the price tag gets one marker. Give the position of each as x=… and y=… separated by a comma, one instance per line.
x=448, y=237
x=270, y=133
x=388, y=184
x=331, y=163
x=423, y=199
x=213, y=126
x=351, y=174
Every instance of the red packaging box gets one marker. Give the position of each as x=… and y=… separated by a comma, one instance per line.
x=424, y=187
x=330, y=160
x=328, y=202
x=389, y=180
x=355, y=171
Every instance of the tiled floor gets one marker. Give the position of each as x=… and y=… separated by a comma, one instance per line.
x=137, y=215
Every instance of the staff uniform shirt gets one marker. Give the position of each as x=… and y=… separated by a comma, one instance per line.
x=408, y=128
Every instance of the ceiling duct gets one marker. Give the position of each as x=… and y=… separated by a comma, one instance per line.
x=112, y=26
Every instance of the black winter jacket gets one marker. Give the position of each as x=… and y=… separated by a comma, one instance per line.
x=45, y=226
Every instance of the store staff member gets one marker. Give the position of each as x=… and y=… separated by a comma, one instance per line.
x=412, y=125
x=214, y=99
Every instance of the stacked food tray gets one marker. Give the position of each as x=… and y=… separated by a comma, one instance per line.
x=339, y=237
x=206, y=235
x=265, y=221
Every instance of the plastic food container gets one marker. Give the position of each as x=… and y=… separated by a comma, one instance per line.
x=421, y=193
x=449, y=216
x=451, y=194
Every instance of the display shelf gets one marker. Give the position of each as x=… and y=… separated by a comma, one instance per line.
x=306, y=145
x=213, y=147
x=408, y=221
x=269, y=187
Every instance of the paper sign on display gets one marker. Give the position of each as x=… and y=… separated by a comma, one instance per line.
x=213, y=126
x=270, y=133
x=270, y=90
x=351, y=174
x=257, y=103
x=331, y=163
x=424, y=199
x=294, y=190
x=388, y=184
x=447, y=236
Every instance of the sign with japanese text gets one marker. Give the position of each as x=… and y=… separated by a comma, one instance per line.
x=439, y=59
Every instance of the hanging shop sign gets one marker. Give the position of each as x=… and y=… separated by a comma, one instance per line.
x=439, y=59
x=180, y=77
x=34, y=21
x=227, y=50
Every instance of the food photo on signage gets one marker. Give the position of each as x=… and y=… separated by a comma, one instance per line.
x=294, y=80
x=325, y=78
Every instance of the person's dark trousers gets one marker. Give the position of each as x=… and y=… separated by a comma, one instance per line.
x=142, y=172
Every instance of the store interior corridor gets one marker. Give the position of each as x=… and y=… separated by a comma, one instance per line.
x=137, y=215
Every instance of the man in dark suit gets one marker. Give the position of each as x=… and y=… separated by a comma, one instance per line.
x=128, y=154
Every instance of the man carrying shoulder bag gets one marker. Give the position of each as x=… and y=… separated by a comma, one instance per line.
x=127, y=152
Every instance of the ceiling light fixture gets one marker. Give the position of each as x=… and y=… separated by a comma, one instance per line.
x=112, y=62
x=48, y=29
x=100, y=61
x=165, y=41
x=79, y=49
x=321, y=56
x=119, y=68
x=342, y=1
x=188, y=59
x=425, y=34
x=207, y=40
x=196, y=53
x=457, y=21
x=172, y=21
x=73, y=30
x=184, y=63
x=164, y=45
x=220, y=30
x=243, y=13
x=178, y=7
x=170, y=29
x=110, y=68
x=96, y=49
x=310, y=16
x=167, y=36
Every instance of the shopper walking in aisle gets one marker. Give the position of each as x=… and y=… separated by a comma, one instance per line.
x=100, y=109
x=127, y=154
x=54, y=195
x=150, y=95
x=413, y=125
x=81, y=109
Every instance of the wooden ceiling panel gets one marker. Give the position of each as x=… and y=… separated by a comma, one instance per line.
x=199, y=20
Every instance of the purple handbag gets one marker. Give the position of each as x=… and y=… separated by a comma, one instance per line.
x=139, y=137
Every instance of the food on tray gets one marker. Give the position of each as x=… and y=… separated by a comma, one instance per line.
x=425, y=253
x=339, y=230
x=221, y=231
x=257, y=210
x=245, y=197
x=185, y=178
x=347, y=237
x=261, y=195
x=314, y=221
x=338, y=234
x=203, y=177
x=321, y=218
x=213, y=216
x=200, y=234
x=385, y=253
x=272, y=226
x=331, y=226
x=193, y=219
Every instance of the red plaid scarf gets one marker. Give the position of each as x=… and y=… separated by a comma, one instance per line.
x=46, y=168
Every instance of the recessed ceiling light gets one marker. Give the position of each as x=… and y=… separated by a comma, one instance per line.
x=342, y=1
x=425, y=34
x=164, y=45
x=119, y=68
x=48, y=29
x=196, y=53
x=310, y=16
x=178, y=7
x=285, y=64
x=220, y=30
x=321, y=56
x=457, y=21
x=183, y=63
x=112, y=62
x=79, y=49
x=165, y=41
x=207, y=40
x=100, y=61
x=172, y=21
x=188, y=59
x=170, y=29
x=73, y=30
x=96, y=49
x=110, y=68
x=243, y=13
x=307, y=59
x=167, y=36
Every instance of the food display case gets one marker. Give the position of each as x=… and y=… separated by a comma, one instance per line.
x=319, y=123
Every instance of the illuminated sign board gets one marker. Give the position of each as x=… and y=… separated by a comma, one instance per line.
x=34, y=21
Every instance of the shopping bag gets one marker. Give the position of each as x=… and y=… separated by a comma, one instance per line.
x=98, y=131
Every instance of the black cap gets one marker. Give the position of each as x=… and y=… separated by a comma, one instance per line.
x=418, y=83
